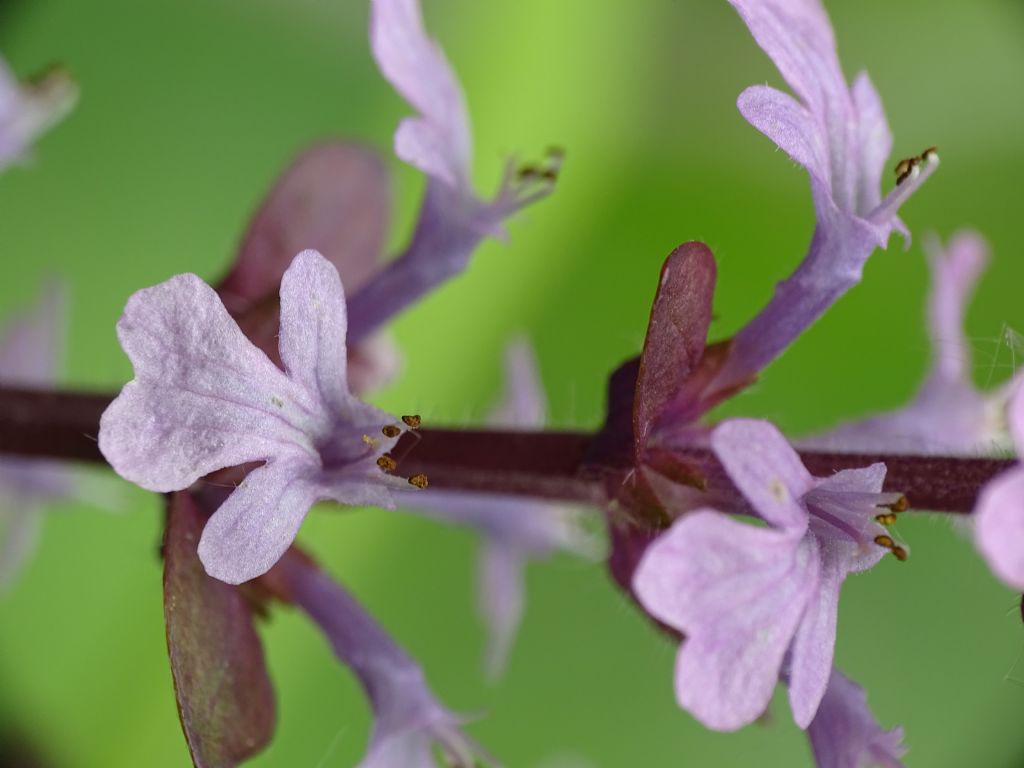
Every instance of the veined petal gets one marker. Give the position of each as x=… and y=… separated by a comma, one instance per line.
x=438, y=143
x=815, y=639
x=766, y=469
x=203, y=396
x=500, y=601
x=313, y=325
x=258, y=522
x=874, y=141
x=845, y=734
x=999, y=532
x=737, y=592
x=785, y=121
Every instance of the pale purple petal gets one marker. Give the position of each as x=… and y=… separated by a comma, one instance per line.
x=500, y=600
x=815, y=639
x=258, y=522
x=766, y=470
x=203, y=397
x=32, y=343
x=738, y=593
x=408, y=719
x=845, y=734
x=313, y=326
x=785, y=121
x=437, y=142
x=874, y=140
x=20, y=519
x=523, y=404
x=999, y=526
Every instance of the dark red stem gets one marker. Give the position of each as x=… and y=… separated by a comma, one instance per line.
x=65, y=425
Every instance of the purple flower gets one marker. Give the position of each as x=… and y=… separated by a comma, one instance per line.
x=844, y=733
x=26, y=111
x=840, y=136
x=999, y=514
x=204, y=398
x=409, y=721
x=452, y=220
x=746, y=596
x=949, y=415
x=30, y=348
x=514, y=530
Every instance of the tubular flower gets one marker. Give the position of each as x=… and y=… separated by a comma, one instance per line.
x=747, y=596
x=26, y=111
x=839, y=134
x=844, y=733
x=452, y=220
x=30, y=347
x=408, y=719
x=999, y=514
x=948, y=415
x=205, y=398
x=513, y=530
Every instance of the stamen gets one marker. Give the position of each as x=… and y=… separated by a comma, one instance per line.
x=885, y=541
x=419, y=481
x=412, y=422
x=904, y=167
x=902, y=504
x=370, y=441
x=387, y=463
x=886, y=519
x=392, y=430
x=900, y=553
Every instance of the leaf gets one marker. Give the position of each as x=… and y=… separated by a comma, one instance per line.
x=225, y=699
x=676, y=333
x=335, y=197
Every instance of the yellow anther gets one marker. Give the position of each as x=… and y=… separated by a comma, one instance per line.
x=412, y=422
x=387, y=463
x=392, y=430
x=885, y=541
x=900, y=553
x=886, y=519
x=419, y=481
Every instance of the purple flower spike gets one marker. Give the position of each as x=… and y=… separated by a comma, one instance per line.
x=840, y=135
x=30, y=348
x=745, y=596
x=204, y=398
x=949, y=415
x=27, y=111
x=844, y=733
x=514, y=530
x=409, y=721
x=999, y=514
x=453, y=219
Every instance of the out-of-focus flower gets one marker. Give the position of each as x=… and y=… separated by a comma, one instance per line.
x=27, y=110
x=845, y=734
x=746, y=596
x=999, y=514
x=30, y=348
x=204, y=398
x=839, y=134
x=949, y=415
x=452, y=220
x=409, y=721
x=513, y=530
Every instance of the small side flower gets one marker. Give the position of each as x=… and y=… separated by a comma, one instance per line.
x=839, y=134
x=453, y=220
x=747, y=596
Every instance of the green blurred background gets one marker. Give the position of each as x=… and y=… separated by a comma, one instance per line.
x=190, y=108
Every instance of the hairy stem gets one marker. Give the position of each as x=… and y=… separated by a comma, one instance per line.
x=552, y=465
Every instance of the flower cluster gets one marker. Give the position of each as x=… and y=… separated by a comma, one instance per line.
x=247, y=408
